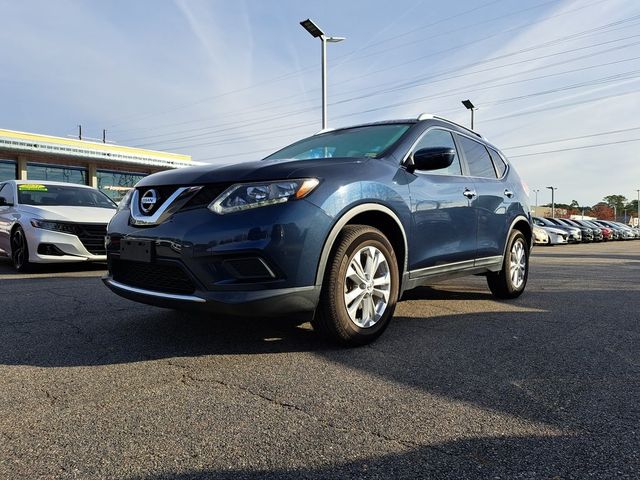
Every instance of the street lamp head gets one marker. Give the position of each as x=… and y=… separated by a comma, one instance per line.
x=334, y=39
x=552, y=188
x=312, y=28
x=467, y=103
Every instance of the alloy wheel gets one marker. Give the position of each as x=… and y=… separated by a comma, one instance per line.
x=518, y=264
x=18, y=248
x=367, y=286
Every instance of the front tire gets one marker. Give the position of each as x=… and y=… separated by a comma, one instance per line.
x=511, y=280
x=360, y=287
x=19, y=250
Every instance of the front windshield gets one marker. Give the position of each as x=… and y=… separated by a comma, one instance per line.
x=368, y=141
x=39, y=194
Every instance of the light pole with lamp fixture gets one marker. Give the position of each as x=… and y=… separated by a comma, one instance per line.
x=316, y=32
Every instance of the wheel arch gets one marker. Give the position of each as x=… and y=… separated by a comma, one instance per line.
x=522, y=224
x=377, y=216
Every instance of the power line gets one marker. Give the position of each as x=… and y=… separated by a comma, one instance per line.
x=208, y=129
x=453, y=93
x=581, y=137
x=435, y=79
x=458, y=46
x=575, y=148
x=286, y=75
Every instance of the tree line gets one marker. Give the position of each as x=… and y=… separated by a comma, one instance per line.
x=612, y=207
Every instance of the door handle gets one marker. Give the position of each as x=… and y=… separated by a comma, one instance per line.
x=469, y=193
x=508, y=193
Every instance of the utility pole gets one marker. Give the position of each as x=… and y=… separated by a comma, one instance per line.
x=104, y=135
x=536, y=192
x=79, y=132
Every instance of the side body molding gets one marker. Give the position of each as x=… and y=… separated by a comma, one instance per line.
x=344, y=219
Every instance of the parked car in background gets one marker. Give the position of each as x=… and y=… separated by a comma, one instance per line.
x=607, y=232
x=334, y=227
x=574, y=234
x=627, y=228
x=623, y=232
x=540, y=236
x=595, y=229
x=615, y=232
x=587, y=233
x=556, y=235
x=52, y=222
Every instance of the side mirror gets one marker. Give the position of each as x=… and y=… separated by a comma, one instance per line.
x=3, y=202
x=432, y=158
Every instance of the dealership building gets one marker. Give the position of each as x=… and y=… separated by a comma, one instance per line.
x=113, y=169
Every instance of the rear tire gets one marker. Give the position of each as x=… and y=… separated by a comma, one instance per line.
x=512, y=279
x=19, y=250
x=360, y=288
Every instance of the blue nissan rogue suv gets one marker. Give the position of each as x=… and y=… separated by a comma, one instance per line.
x=336, y=226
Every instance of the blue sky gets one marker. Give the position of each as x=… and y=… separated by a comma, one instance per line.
x=230, y=81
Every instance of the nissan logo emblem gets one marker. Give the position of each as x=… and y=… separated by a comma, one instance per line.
x=148, y=200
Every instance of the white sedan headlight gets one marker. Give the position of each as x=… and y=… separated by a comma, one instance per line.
x=54, y=226
x=244, y=196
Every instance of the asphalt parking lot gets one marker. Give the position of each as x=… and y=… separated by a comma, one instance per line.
x=460, y=385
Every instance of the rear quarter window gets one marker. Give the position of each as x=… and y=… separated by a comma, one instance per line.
x=498, y=162
x=478, y=159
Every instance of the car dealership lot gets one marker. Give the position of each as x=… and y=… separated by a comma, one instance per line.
x=461, y=385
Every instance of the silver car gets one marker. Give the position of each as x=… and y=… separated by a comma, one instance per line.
x=52, y=222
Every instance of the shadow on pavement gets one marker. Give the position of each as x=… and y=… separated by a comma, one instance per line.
x=503, y=457
x=48, y=270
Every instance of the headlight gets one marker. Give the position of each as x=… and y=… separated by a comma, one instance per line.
x=55, y=226
x=126, y=201
x=245, y=196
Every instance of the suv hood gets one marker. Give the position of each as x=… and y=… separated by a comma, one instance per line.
x=70, y=214
x=245, y=172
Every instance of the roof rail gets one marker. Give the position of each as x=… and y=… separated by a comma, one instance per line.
x=324, y=130
x=428, y=116
x=424, y=116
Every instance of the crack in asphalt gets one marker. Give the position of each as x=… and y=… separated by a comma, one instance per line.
x=187, y=374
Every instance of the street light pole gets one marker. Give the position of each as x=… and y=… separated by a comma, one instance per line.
x=536, y=192
x=469, y=106
x=316, y=32
x=553, y=201
x=638, y=205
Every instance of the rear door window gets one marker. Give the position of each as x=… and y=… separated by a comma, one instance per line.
x=478, y=159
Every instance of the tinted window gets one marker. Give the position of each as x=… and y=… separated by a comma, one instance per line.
x=501, y=167
x=6, y=191
x=480, y=164
x=115, y=185
x=369, y=141
x=59, y=195
x=56, y=173
x=7, y=170
x=440, y=138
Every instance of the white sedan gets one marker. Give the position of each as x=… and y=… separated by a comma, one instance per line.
x=52, y=222
x=556, y=235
